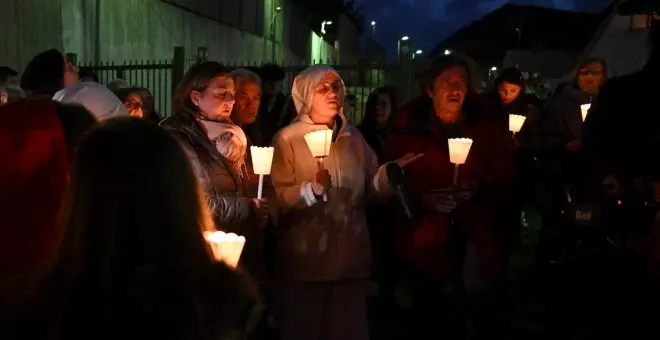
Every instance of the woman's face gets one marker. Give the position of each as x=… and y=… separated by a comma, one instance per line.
x=383, y=108
x=328, y=97
x=591, y=77
x=134, y=105
x=449, y=90
x=509, y=92
x=217, y=100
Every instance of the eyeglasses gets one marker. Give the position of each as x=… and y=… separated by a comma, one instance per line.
x=133, y=105
x=588, y=72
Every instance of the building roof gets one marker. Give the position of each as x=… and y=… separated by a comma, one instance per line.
x=522, y=27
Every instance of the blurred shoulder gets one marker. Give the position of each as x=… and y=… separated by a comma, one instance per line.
x=285, y=134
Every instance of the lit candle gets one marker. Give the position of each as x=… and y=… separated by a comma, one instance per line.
x=262, y=159
x=585, y=110
x=318, y=143
x=227, y=247
x=459, y=149
x=516, y=123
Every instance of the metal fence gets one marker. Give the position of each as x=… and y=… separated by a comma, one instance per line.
x=154, y=75
x=161, y=76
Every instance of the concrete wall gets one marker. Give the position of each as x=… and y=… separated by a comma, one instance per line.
x=28, y=27
x=119, y=30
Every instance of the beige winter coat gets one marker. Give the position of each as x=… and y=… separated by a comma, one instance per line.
x=323, y=241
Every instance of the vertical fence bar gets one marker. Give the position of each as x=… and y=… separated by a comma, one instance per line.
x=178, y=64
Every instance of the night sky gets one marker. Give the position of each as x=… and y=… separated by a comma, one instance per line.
x=428, y=21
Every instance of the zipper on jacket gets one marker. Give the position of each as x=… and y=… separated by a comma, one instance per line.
x=335, y=163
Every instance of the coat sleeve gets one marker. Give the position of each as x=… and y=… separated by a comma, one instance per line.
x=289, y=193
x=226, y=209
x=376, y=175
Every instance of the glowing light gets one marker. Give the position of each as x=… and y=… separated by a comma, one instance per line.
x=262, y=159
x=226, y=248
x=405, y=38
x=516, y=122
x=585, y=110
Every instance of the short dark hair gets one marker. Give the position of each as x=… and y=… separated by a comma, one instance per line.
x=44, y=74
x=271, y=73
x=6, y=72
x=439, y=65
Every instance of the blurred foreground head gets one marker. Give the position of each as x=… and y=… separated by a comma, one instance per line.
x=38, y=137
x=134, y=219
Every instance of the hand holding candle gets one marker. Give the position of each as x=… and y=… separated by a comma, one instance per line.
x=226, y=248
x=262, y=159
x=585, y=110
x=319, y=143
x=516, y=123
x=459, y=149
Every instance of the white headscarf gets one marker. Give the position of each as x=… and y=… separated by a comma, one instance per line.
x=304, y=85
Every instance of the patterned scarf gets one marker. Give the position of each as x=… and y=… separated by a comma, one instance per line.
x=230, y=141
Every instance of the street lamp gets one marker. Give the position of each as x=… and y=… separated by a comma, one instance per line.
x=447, y=52
x=273, y=21
x=373, y=28
x=418, y=52
x=404, y=48
x=323, y=24
x=494, y=68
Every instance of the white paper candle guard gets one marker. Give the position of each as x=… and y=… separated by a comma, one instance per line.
x=262, y=160
x=516, y=123
x=459, y=149
x=227, y=247
x=585, y=110
x=319, y=143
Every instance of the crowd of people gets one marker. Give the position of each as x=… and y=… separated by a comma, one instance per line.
x=104, y=206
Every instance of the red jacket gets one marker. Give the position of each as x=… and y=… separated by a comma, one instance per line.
x=33, y=177
x=490, y=163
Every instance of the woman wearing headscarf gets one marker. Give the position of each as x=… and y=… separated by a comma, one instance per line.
x=217, y=147
x=325, y=248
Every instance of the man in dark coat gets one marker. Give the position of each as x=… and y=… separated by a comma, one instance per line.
x=620, y=134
